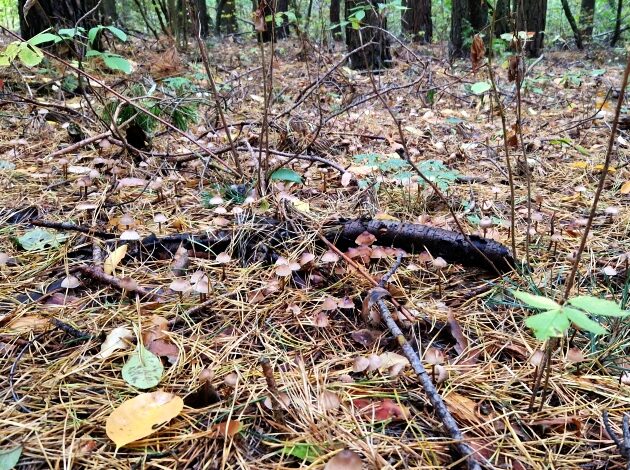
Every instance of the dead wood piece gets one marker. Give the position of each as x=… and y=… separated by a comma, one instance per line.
x=100, y=275
x=413, y=238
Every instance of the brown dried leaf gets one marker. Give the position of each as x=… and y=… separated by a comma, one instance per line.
x=477, y=52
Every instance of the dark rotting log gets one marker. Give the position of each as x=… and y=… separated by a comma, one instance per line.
x=413, y=238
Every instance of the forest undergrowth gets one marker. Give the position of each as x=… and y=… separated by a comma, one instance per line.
x=264, y=350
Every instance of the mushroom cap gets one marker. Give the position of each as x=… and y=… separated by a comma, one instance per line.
x=70, y=282
x=126, y=219
x=130, y=235
x=609, y=271
x=486, y=222
x=223, y=258
x=160, y=218
x=179, y=285
x=128, y=283
x=202, y=286
x=439, y=263
x=612, y=211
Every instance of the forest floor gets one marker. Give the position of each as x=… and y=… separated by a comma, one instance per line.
x=342, y=381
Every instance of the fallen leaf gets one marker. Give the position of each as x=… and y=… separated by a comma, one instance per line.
x=29, y=323
x=366, y=338
x=9, y=458
x=329, y=401
x=224, y=429
x=138, y=417
x=625, y=188
x=115, y=340
x=114, y=258
x=143, y=369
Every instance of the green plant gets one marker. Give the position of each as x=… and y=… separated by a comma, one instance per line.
x=555, y=319
x=30, y=54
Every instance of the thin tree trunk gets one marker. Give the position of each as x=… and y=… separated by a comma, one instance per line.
x=587, y=18
x=617, y=33
x=226, y=16
x=108, y=9
x=574, y=27
x=159, y=12
x=204, y=19
x=374, y=43
x=335, y=19
x=502, y=20
x=44, y=14
x=416, y=20
x=532, y=17
x=459, y=21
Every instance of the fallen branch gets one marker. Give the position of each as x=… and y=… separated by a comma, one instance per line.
x=413, y=238
x=99, y=275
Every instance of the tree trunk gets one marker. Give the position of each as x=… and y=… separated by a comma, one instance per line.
x=375, y=54
x=416, y=20
x=201, y=9
x=502, y=18
x=587, y=16
x=532, y=17
x=274, y=10
x=108, y=11
x=226, y=16
x=460, y=24
x=617, y=34
x=574, y=27
x=45, y=14
x=335, y=19
x=478, y=14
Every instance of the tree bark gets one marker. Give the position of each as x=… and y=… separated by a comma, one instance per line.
x=416, y=20
x=201, y=9
x=374, y=43
x=45, y=14
x=478, y=14
x=108, y=10
x=460, y=23
x=226, y=16
x=335, y=19
x=532, y=17
x=273, y=9
x=502, y=17
x=587, y=17
x=617, y=34
x=574, y=27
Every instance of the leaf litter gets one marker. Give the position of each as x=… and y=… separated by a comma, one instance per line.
x=339, y=376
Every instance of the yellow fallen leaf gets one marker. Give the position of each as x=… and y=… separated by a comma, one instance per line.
x=625, y=188
x=114, y=258
x=300, y=205
x=138, y=417
x=29, y=323
x=384, y=216
x=600, y=167
x=580, y=165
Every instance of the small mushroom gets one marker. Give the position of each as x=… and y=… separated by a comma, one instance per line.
x=485, y=223
x=180, y=286
x=64, y=166
x=611, y=213
x=160, y=219
x=70, y=282
x=128, y=285
x=439, y=264
x=127, y=221
x=223, y=258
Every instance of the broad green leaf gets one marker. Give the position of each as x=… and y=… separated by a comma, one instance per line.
x=93, y=53
x=480, y=88
x=507, y=36
x=536, y=301
x=286, y=174
x=143, y=369
x=359, y=15
x=597, y=72
x=303, y=451
x=38, y=238
x=581, y=320
x=552, y=323
x=119, y=33
x=117, y=62
x=69, y=32
x=597, y=306
x=42, y=38
x=92, y=34
x=9, y=458
x=30, y=56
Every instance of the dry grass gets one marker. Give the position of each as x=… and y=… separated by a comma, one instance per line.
x=69, y=393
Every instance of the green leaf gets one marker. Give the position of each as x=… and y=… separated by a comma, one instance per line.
x=359, y=15
x=42, y=38
x=92, y=34
x=116, y=62
x=536, y=301
x=119, y=33
x=38, y=239
x=480, y=88
x=69, y=32
x=303, y=451
x=93, y=53
x=143, y=370
x=597, y=306
x=549, y=324
x=9, y=458
x=597, y=72
x=30, y=55
x=286, y=174
x=581, y=320
x=507, y=36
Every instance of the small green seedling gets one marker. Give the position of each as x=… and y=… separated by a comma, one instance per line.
x=555, y=319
